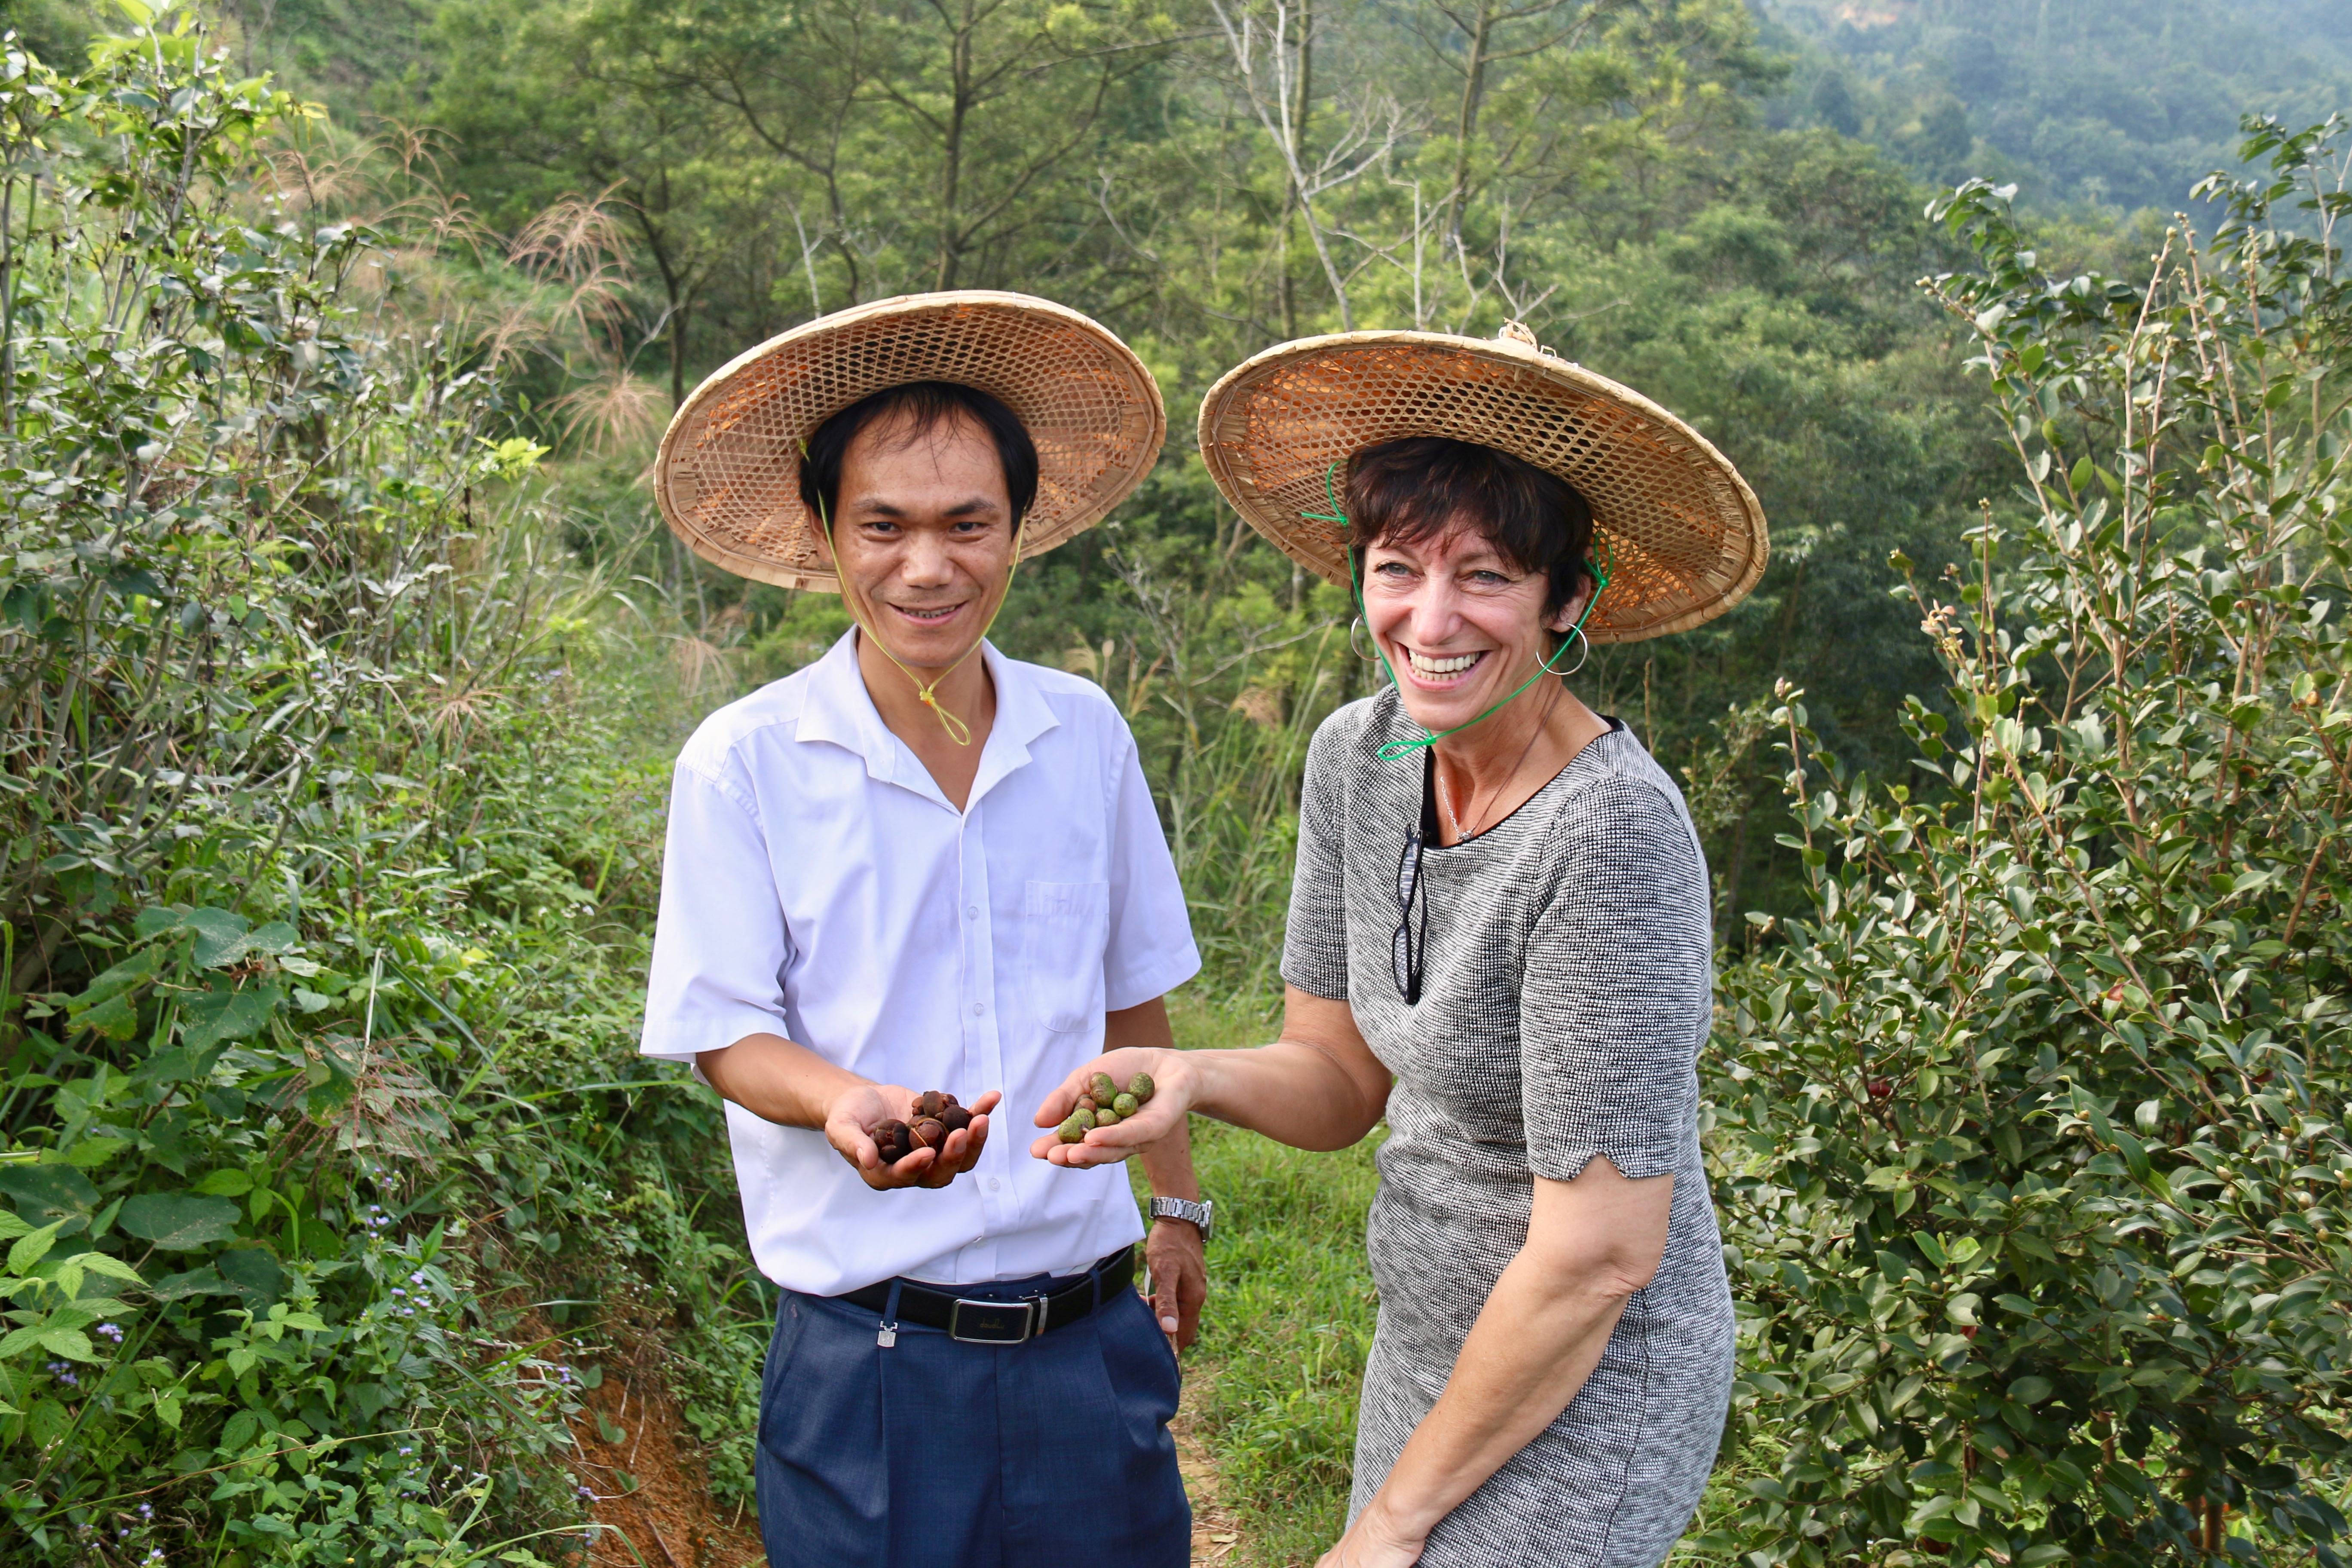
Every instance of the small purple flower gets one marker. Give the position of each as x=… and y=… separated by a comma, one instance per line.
x=111, y=1331
x=398, y=1291
x=405, y=1452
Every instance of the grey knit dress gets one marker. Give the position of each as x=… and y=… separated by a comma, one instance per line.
x=1565, y=993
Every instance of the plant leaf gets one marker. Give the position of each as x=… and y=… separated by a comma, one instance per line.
x=178, y=1222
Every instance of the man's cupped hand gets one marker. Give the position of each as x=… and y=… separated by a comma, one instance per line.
x=850, y=1119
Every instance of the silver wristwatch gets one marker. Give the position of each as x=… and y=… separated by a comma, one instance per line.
x=1184, y=1210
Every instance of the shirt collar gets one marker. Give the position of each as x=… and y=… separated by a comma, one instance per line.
x=838, y=709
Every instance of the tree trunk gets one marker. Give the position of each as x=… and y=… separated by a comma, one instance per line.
x=1474, y=81
x=1299, y=109
x=951, y=161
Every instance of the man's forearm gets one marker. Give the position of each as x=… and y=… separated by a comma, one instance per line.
x=1166, y=1161
x=1168, y=1165
x=777, y=1081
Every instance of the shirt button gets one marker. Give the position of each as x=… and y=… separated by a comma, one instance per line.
x=971, y=912
x=977, y=1009
x=993, y=1183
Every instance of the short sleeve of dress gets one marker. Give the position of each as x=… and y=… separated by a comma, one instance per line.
x=1618, y=991
x=1315, y=945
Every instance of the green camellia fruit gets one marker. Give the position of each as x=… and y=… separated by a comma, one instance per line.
x=1126, y=1106
x=1103, y=1090
x=1074, y=1130
x=1107, y=1119
x=1141, y=1087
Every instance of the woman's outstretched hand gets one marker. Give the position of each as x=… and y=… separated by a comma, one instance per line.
x=1173, y=1084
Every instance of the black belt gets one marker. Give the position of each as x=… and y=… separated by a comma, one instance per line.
x=1000, y=1322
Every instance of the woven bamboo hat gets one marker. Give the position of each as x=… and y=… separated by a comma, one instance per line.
x=1679, y=531
x=728, y=475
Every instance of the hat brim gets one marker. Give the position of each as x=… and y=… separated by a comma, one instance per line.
x=727, y=477
x=1679, y=531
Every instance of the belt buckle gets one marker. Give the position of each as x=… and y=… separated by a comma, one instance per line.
x=1029, y=1320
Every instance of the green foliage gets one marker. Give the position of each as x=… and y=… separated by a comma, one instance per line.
x=330, y=815
x=2032, y=1138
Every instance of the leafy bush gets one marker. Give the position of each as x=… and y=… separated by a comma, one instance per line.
x=325, y=881
x=2032, y=1139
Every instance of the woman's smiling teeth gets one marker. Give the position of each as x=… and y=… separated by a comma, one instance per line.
x=1438, y=669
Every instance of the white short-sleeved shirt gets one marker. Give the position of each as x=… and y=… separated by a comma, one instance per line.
x=819, y=885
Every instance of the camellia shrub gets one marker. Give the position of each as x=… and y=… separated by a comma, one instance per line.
x=2032, y=1139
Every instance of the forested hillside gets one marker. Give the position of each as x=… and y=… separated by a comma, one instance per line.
x=2095, y=104
x=346, y=659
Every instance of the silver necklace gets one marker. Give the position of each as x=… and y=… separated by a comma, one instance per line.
x=1445, y=801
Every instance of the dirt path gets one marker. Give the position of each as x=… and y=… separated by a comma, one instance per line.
x=668, y=1519
x=1214, y=1534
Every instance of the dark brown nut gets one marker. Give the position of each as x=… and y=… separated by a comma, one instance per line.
x=955, y=1118
x=1126, y=1106
x=930, y=1103
x=1074, y=1130
x=1143, y=1088
x=891, y=1142
x=1102, y=1088
x=927, y=1134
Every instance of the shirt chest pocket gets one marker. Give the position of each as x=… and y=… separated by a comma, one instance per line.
x=1066, y=927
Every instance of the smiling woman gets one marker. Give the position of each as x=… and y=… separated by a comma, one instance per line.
x=1499, y=941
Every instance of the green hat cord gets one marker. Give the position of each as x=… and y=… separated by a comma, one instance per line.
x=1395, y=751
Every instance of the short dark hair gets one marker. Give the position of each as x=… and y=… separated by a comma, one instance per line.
x=1413, y=491
x=924, y=406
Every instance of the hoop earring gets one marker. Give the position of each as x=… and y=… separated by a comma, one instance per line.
x=1353, y=628
x=1571, y=669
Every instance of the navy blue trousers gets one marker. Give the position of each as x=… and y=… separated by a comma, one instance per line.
x=1037, y=1455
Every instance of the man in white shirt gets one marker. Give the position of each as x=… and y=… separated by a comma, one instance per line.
x=918, y=864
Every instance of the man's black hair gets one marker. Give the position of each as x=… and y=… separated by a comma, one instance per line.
x=921, y=408
x=1412, y=491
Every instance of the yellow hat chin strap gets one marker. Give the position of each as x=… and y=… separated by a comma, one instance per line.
x=927, y=691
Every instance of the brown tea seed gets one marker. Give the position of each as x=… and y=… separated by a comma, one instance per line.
x=955, y=1118
x=927, y=1134
x=891, y=1142
x=931, y=1102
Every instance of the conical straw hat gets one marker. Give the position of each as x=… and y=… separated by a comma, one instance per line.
x=1678, y=531
x=728, y=477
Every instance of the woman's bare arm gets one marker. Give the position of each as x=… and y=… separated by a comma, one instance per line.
x=1317, y=1086
x=1592, y=1244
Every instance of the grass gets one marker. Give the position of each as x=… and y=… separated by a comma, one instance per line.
x=1274, y=1381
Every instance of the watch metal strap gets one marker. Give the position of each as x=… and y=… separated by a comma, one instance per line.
x=1184, y=1210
